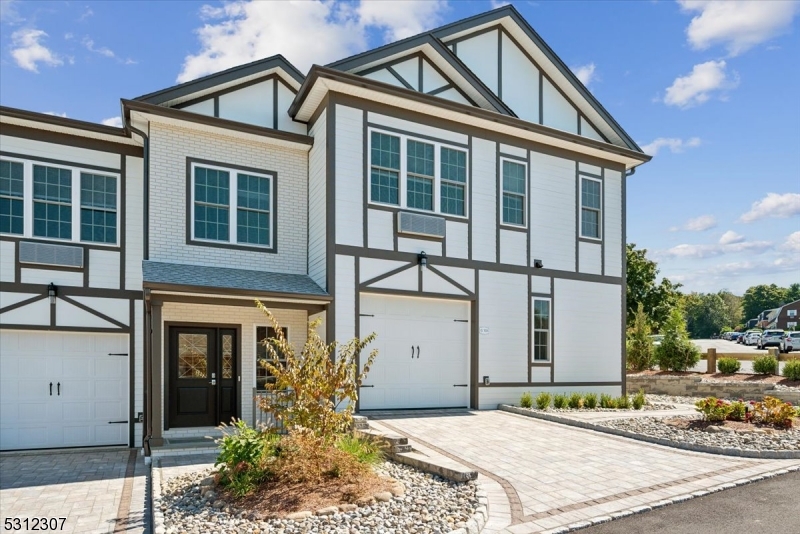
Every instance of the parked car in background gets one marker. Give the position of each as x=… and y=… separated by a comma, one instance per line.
x=751, y=337
x=770, y=338
x=790, y=341
x=656, y=339
x=734, y=336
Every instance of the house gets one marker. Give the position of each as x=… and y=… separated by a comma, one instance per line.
x=785, y=317
x=459, y=192
x=767, y=318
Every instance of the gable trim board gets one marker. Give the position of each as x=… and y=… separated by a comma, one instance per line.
x=76, y=126
x=68, y=137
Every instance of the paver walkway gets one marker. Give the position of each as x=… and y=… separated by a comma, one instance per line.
x=98, y=491
x=544, y=475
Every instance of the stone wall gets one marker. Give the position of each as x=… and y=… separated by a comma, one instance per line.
x=695, y=387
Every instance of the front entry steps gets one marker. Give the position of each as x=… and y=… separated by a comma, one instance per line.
x=401, y=451
x=184, y=446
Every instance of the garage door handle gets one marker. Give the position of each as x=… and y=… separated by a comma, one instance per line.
x=51, y=389
x=418, y=352
x=412, y=352
x=116, y=422
x=366, y=386
x=460, y=385
x=58, y=388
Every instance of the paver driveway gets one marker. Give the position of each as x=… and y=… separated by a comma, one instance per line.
x=97, y=491
x=543, y=475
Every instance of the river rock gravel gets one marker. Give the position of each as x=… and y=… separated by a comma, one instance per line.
x=430, y=504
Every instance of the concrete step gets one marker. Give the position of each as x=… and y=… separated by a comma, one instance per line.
x=360, y=422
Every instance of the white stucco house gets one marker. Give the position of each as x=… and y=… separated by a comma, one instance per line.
x=459, y=192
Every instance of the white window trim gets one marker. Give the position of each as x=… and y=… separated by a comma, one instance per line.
x=525, y=214
x=549, y=330
x=75, y=176
x=791, y=313
x=402, y=189
x=599, y=239
x=233, y=205
x=256, y=343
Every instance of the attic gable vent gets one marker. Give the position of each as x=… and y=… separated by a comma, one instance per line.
x=418, y=224
x=48, y=254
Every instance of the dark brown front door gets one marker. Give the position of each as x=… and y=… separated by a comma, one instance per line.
x=202, y=376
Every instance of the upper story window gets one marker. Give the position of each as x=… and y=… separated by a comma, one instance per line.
x=514, y=191
x=232, y=206
x=417, y=174
x=591, y=207
x=45, y=201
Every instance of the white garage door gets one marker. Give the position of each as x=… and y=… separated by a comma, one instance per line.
x=62, y=389
x=423, y=359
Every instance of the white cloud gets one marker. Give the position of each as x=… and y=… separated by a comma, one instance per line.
x=28, y=52
x=86, y=14
x=773, y=206
x=499, y=3
x=697, y=87
x=242, y=31
x=793, y=242
x=738, y=25
x=686, y=251
x=56, y=113
x=103, y=51
x=585, y=73
x=8, y=11
x=701, y=224
x=675, y=145
x=113, y=121
x=730, y=237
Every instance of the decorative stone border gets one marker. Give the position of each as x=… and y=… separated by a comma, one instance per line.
x=666, y=502
x=771, y=455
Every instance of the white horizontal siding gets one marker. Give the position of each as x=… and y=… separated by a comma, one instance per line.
x=520, y=82
x=490, y=397
x=590, y=258
x=345, y=298
x=349, y=176
x=484, y=200
x=557, y=111
x=8, y=257
x=457, y=240
x=465, y=277
x=369, y=268
x=59, y=152
x=431, y=248
x=553, y=206
x=415, y=127
x=479, y=53
x=134, y=222
x=540, y=284
x=380, y=229
x=317, y=232
x=36, y=313
x=513, y=247
x=251, y=105
x=612, y=213
x=44, y=276
x=104, y=268
x=503, y=309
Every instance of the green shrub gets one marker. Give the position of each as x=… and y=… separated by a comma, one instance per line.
x=713, y=409
x=765, y=365
x=738, y=411
x=728, y=366
x=607, y=401
x=638, y=400
x=560, y=401
x=676, y=352
x=526, y=401
x=623, y=402
x=772, y=411
x=590, y=401
x=639, y=346
x=244, y=457
x=365, y=451
x=543, y=400
x=791, y=370
x=575, y=401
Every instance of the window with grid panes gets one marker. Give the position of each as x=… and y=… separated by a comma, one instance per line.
x=263, y=376
x=590, y=207
x=52, y=202
x=385, y=168
x=12, y=205
x=541, y=330
x=211, y=204
x=453, y=181
x=253, y=209
x=513, y=193
x=419, y=175
x=98, y=208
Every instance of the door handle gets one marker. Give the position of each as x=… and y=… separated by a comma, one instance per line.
x=412, y=352
x=213, y=382
x=418, y=352
x=460, y=385
x=51, y=389
x=366, y=386
x=58, y=386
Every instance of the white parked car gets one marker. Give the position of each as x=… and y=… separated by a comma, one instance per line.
x=751, y=338
x=790, y=341
x=656, y=339
x=770, y=338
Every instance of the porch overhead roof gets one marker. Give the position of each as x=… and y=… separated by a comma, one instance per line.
x=228, y=281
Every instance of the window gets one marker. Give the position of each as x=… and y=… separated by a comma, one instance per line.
x=263, y=376
x=590, y=207
x=541, y=330
x=419, y=175
x=791, y=313
x=513, y=193
x=11, y=197
x=64, y=202
x=231, y=206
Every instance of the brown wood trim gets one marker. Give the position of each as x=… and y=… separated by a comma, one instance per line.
x=75, y=291
x=62, y=121
x=207, y=290
x=385, y=275
x=25, y=302
x=433, y=269
x=407, y=293
x=245, y=303
x=56, y=328
x=96, y=313
x=58, y=138
x=546, y=384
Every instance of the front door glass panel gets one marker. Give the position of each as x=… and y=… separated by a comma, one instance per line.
x=192, y=356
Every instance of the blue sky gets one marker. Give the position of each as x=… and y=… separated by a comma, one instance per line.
x=710, y=88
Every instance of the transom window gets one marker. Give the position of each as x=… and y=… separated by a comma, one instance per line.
x=232, y=206
x=45, y=201
x=514, y=190
x=263, y=376
x=591, y=206
x=417, y=174
x=541, y=330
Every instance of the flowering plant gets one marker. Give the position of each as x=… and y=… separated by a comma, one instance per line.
x=714, y=409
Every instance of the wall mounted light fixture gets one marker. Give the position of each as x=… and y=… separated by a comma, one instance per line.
x=538, y=264
x=52, y=291
x=422, y=258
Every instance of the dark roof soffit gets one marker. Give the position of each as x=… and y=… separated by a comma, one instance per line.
x=179, y=114
x=62, y=121
x=317, y=72
x=218, y=78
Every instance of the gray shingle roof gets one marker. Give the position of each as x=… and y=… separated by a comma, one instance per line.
x=161, y=275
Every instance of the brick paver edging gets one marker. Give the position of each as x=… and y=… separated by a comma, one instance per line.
x=765, y=455
x=155, y=488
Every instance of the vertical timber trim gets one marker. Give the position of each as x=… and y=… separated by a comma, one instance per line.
x=578, y=207
x=498, y=201
x=330, y=216
x=552, y=330
x=158, y=357
x=469, y=206
x=624, y=288
x=603, y=220
x=530, y=327
x=131, y=369
x=123, y=214
x=474, y=351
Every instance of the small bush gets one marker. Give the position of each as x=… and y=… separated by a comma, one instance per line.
x=639, y=346
x=607, y=401
x=623, y=402
x=365, y=451
x=713, y=409
x=772, y=411
x=676, y=352
x=308, y=458
x=728, y=366
x=791, y=370
x=244, y=457
x=738, y=411
x=560, y=401
x=543, y=400
x=575, y=401
x=638, y=400
x=526, y=401
x=765, y=365
x=590, y=401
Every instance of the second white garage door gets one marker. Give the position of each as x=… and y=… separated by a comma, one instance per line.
x=423, y=353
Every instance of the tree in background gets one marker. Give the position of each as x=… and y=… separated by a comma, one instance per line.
x=657, y=299
x=676, y=352
x=639, y=346
x=762, y=297
x=792, y=293
x=710, y=313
